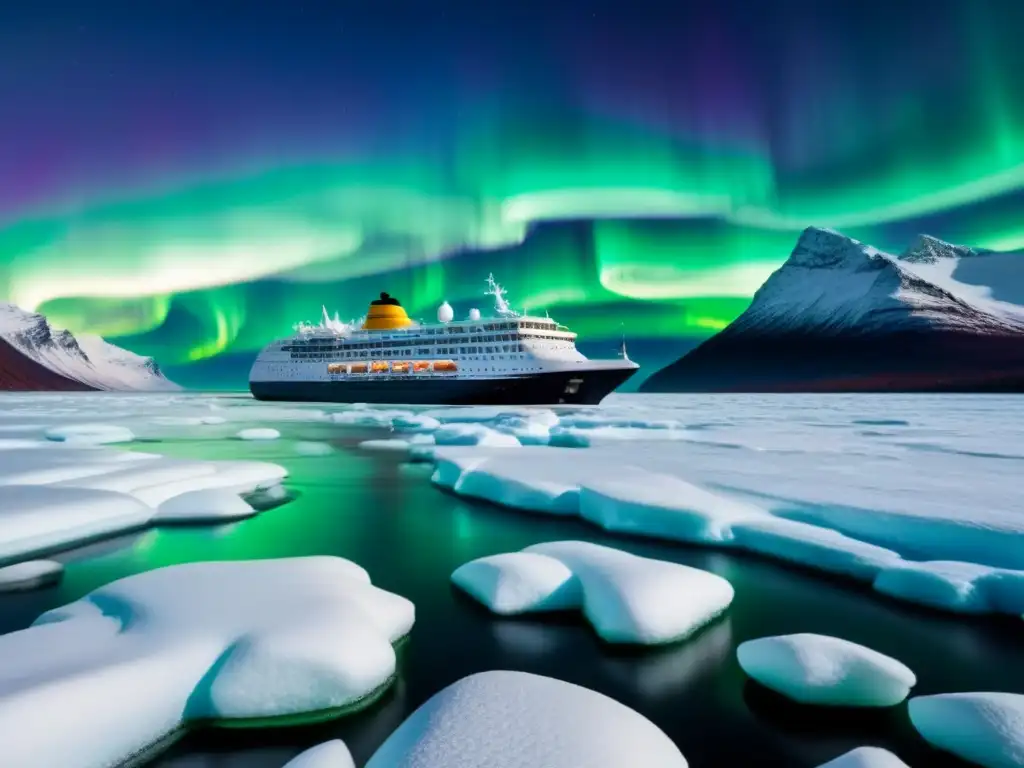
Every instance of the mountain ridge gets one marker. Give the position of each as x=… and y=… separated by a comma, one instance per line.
x=843, y=315
x=36, y=356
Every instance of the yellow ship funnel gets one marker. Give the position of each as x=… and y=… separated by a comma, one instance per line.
x=386, y=314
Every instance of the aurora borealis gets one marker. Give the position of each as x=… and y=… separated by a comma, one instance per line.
x=189, y=179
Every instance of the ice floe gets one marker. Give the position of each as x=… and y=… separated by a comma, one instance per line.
x=130, y=663
x=330, y=754
x=625, y=598
x=258, y=433
x=412, y=422
x=389, y=444
x=506, y=719
x=866, y=757
x=63, y=494
x=30, y=575
x=983, y=728
x=207, y=505
x=830, y=671
x=884, y=532
x=474, y=434
x=90, y=434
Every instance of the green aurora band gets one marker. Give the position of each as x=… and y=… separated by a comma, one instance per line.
x=612, y=229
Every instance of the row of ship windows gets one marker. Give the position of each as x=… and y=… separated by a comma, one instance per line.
x=420, y=366
x=421, y=351
x=313, y=346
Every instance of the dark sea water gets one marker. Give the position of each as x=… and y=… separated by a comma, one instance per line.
x=385, y=515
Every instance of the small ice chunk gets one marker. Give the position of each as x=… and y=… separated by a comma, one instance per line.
x=207, y=505
x=625, y=598
x=368, y=417
x=518, y=582
x=392, y=444
x=982, y=728
x=313, y=448
x=330, y=754
x=413, y=422
x=258, y=433
x=818, y=669
x=473, y=434
x=503, y=719
x=866, y=757
x=90, y=434
x=30, y=575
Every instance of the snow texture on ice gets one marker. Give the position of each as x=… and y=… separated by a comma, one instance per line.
x=133, y=661
x=983, y=728
x=505, y=719
x=626, y=598
x=830, y=671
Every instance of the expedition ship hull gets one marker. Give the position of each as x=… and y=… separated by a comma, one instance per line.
x=576, y=387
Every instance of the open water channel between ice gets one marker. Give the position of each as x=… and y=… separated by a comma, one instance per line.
x=860, y=465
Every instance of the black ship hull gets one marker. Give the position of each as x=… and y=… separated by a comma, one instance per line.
x=582, y=387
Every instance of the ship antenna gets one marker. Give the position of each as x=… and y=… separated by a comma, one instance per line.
x=501, y=306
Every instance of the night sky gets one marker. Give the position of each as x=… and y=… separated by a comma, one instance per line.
x=189, y=179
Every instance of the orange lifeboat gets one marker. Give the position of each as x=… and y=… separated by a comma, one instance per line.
x=358, y=368
x=400, y=367
x=445, y=366
x=379, y=367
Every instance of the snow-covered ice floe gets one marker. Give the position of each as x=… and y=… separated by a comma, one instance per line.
x=59, y=495
x=506, y=719
x=258, y=433
x=936, y=527
x=830, y=671
x=252, y=642
x=626, y=598
x=984, y=728
x=865, y=757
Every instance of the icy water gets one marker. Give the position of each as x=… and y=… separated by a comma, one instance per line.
x=377, y=510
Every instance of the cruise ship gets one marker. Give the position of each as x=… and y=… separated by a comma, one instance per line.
x=506, y=359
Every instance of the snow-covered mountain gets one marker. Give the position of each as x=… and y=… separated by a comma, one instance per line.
x=842, y=315
x=36, y=356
